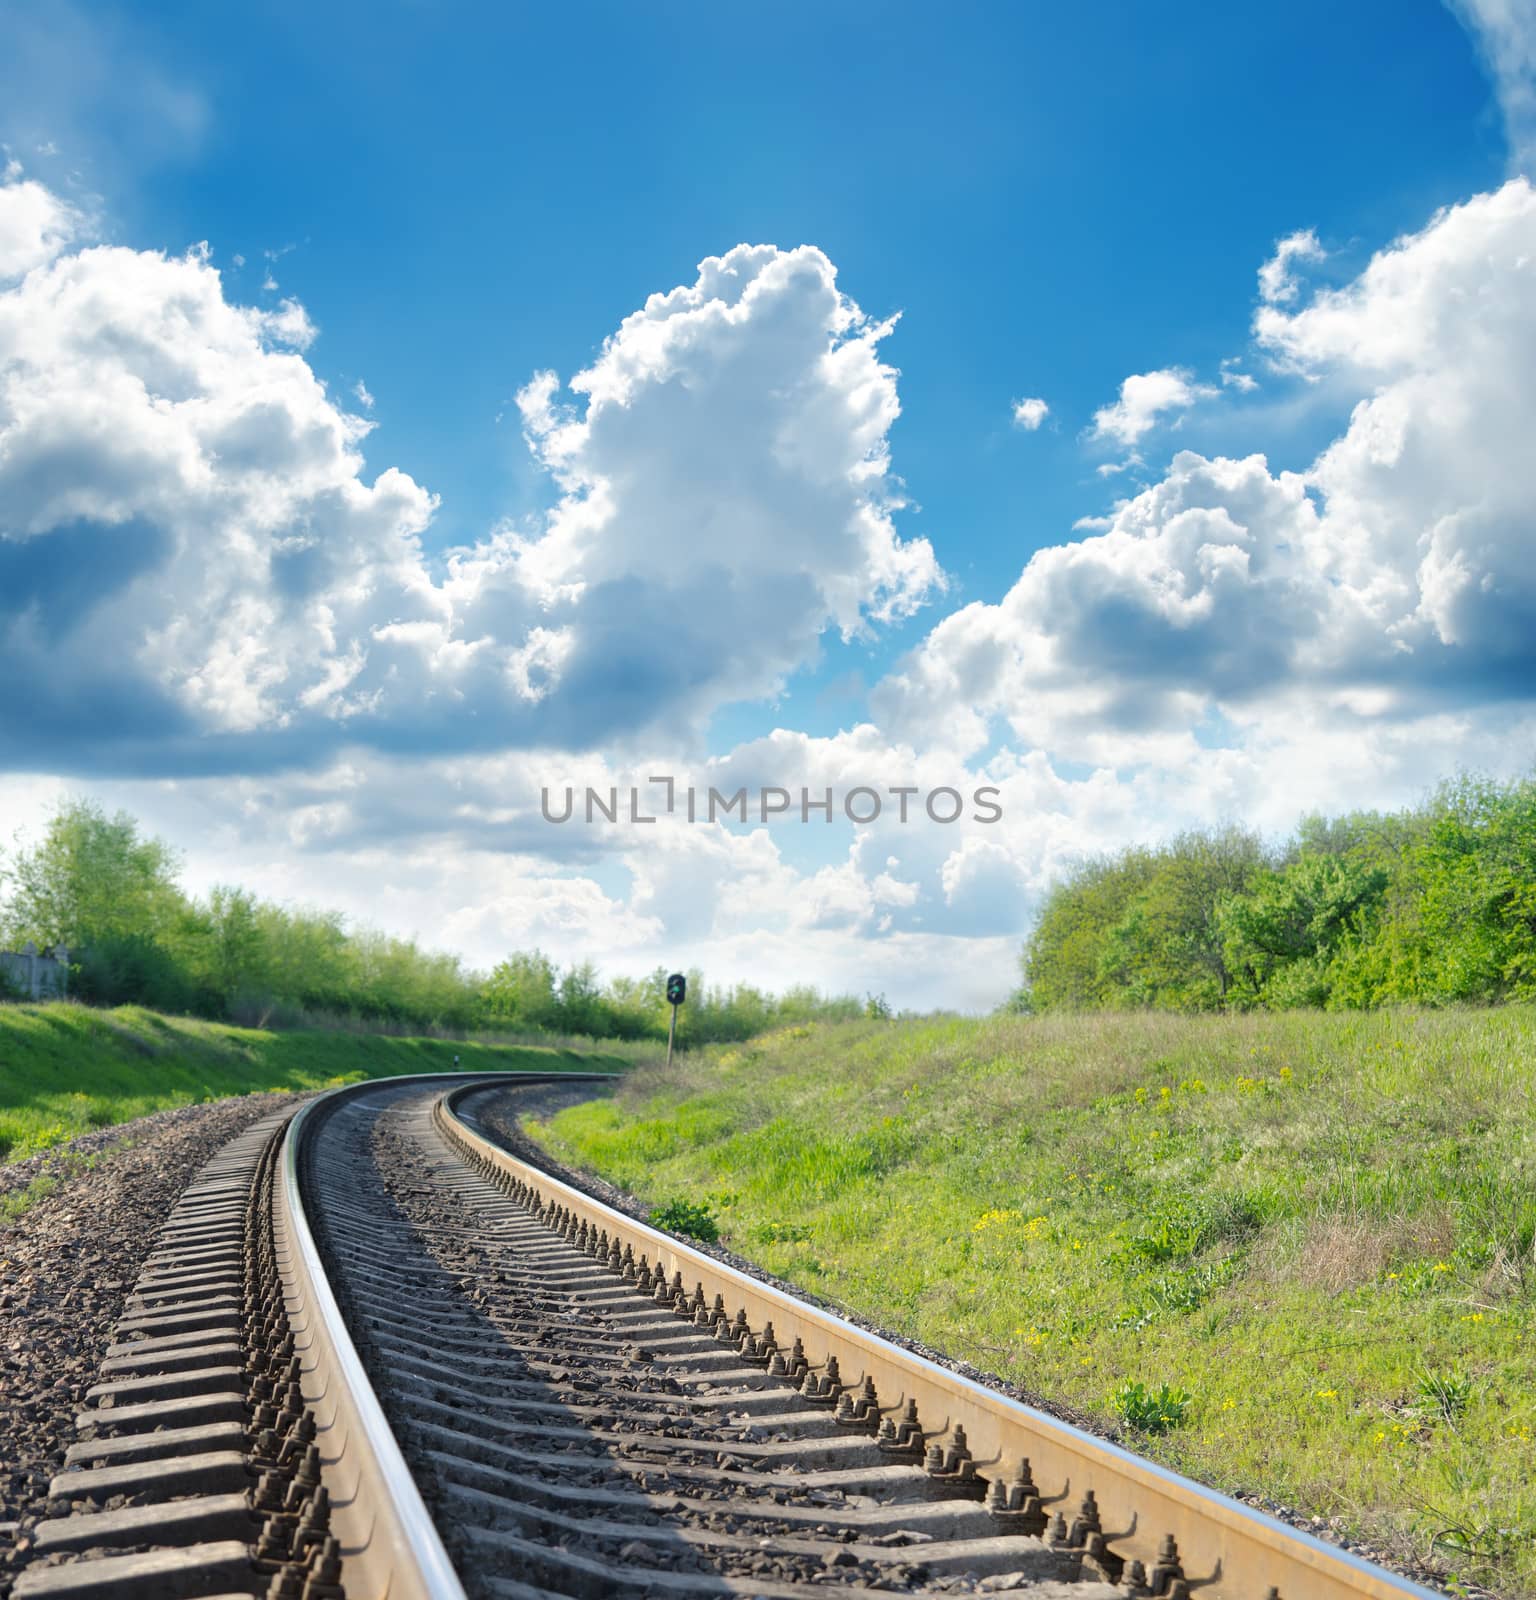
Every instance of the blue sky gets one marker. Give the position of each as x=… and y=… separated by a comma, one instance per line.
x=1050, y=196
x=1053, y=201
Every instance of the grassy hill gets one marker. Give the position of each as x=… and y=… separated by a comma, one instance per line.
x=1289, y=1254
x=66, y=1069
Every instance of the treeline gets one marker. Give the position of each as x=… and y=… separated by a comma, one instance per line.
x=1436, y=904
x=528, y=991
x=112, y=895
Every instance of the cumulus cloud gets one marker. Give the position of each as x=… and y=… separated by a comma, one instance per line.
x=1029, y=414
x=1278, y=283
x=1144, y=398
x=730, y=470
x=178, y=488
x=1392, y=580
x=35, y=225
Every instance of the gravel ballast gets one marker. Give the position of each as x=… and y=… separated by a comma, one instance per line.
x=67, y=1264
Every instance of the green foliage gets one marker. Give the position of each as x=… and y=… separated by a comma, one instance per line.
x=1435, y=905
x=96, y=884
x=1450, y=1393
x=1152, y=1410
x=66, y=1069
x=1183, y=1226
x=19, y=1201
x=780, y=1232
x=528, y=990
x=685, y=1217
x=1280, y=935
x=1143, y=928
x=1066, y=960
x=1174, y=1233
x=1179, y=1292
x=92, y=877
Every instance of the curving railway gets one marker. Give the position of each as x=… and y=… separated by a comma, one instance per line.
x=375, y=1355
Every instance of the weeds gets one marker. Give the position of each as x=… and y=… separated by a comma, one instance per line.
x=1498, y=1215
x=685, y=1217
x=780, y=1232
x=1183, y=1227
x=13, y=1205
x=40, y=1139
x=1450, y=1393
x=1175, y=1293
x=1489, y=1546
x=1152, y=1410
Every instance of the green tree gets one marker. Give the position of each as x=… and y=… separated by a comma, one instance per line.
x=236, y=947
x=1143, y=928
x=1477, y=867
x=1282, y=936
x=521, y=991
x=92, y=877
x=1064, y=960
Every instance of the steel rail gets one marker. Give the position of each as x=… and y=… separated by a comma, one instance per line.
x=1224, y=1549
x=390, y=1546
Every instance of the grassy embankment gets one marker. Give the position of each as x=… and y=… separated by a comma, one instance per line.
x=1318, y=1228
x=66, y=1069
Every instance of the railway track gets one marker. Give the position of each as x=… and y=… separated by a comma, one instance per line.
x=373, y=1354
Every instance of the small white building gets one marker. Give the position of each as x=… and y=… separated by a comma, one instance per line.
x=39, y=975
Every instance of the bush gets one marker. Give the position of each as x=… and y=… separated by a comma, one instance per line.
x=1435, y=905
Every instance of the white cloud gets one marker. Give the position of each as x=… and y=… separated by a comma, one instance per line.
x=364, y=399
x=1278, y=284
x=1144, y=398
x=1394, y=579
x=735, y=428
x=1029, y=414
x=35, y=225
x=726, y=495
x=1232, y=376
x=1505, y=33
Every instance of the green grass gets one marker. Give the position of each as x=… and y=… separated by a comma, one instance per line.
x=66, y=1069
x=1315, y=1231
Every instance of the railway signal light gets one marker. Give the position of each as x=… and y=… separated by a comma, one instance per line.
x=677, y=992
